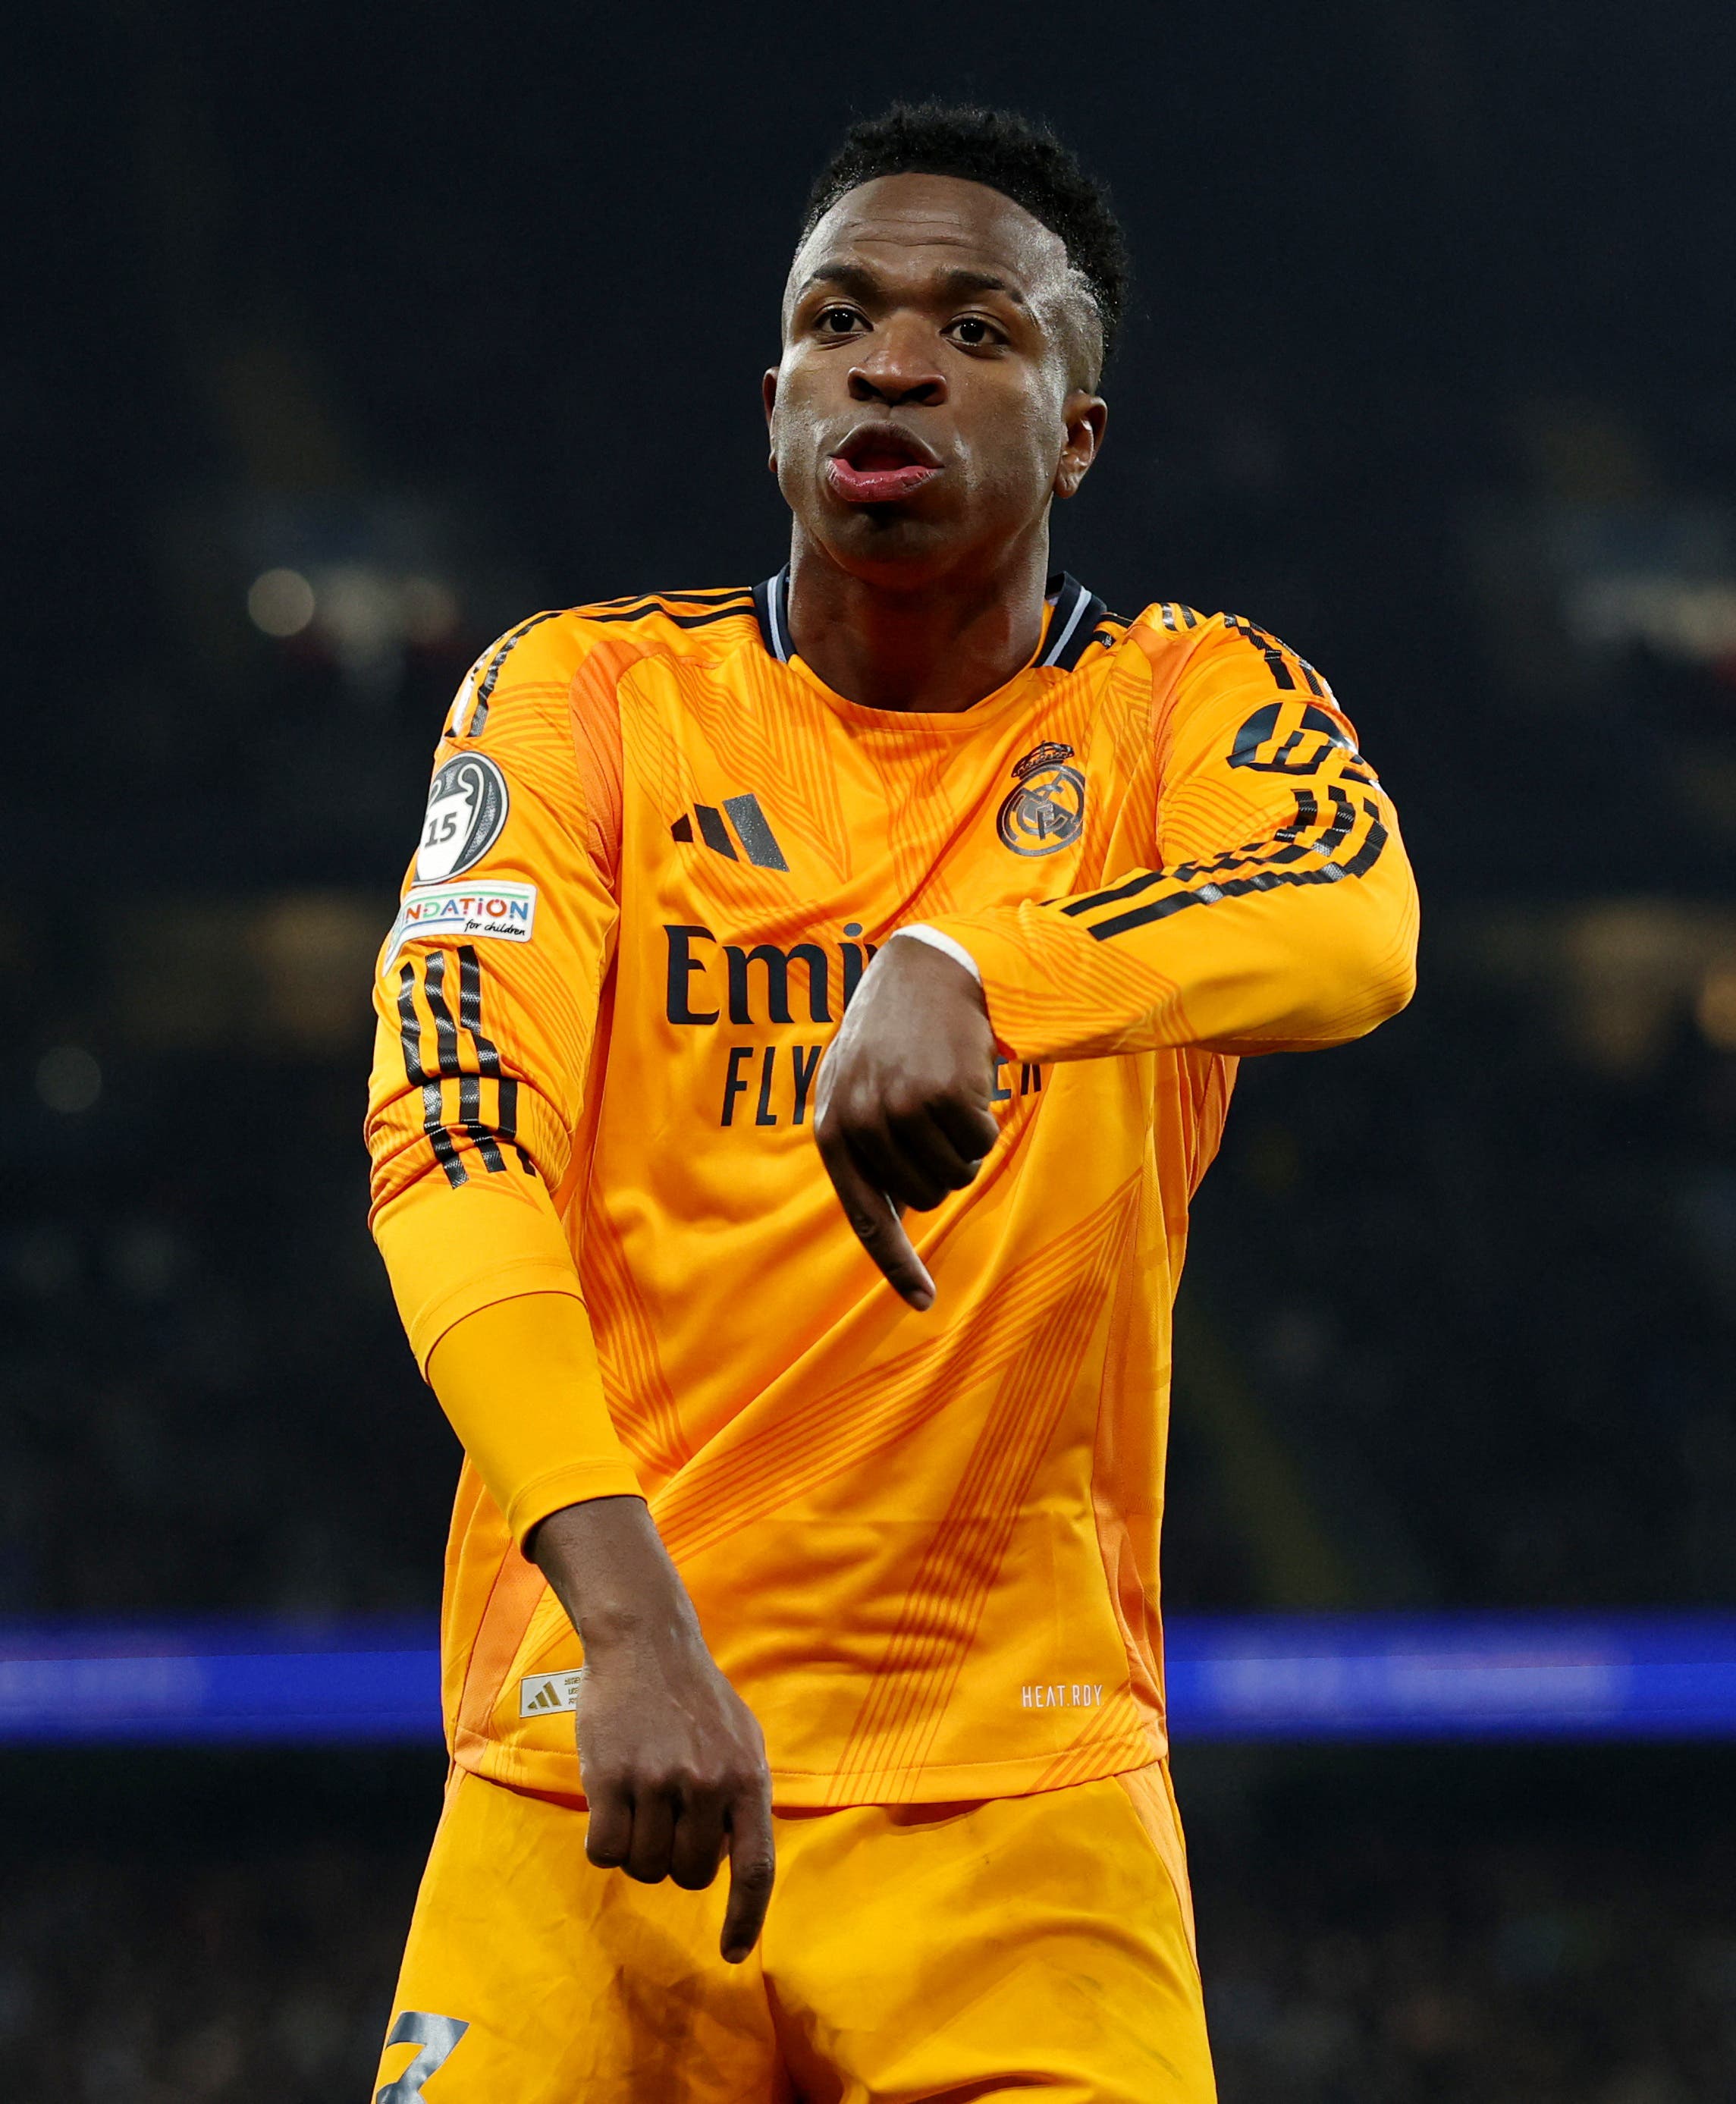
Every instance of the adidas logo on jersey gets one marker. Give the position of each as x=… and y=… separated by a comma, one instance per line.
x=544, y=1694
x=758, y=843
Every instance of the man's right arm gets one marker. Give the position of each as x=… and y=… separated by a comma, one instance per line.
x=673, y=1762
x=487, y=997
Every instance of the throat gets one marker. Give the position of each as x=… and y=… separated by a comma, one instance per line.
x=931, y=649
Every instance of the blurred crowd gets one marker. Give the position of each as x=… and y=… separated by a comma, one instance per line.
x=212, y=1404
x=1522, y=1973
x=131, y=1982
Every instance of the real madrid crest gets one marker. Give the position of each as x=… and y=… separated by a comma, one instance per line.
x=1047, y=811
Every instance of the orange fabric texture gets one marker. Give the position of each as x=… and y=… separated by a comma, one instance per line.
x=657, y=859
x=886, y=1969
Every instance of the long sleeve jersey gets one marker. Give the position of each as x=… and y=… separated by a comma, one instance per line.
x=659, y=855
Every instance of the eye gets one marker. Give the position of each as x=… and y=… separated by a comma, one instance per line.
x=974, y=332
x=839, y=321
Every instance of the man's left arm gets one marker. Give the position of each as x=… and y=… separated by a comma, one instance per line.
x=1278, y=913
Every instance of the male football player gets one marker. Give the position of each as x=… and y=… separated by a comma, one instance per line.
x=810, y=1012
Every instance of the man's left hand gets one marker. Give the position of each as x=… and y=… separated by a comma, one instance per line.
x=903, y=1113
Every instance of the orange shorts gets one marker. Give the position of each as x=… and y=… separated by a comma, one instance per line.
x=912, y=1952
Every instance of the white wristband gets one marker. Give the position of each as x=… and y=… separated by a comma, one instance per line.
x=933, y=937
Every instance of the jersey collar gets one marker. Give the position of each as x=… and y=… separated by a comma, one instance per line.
x=772, y=611
x=1074, y=614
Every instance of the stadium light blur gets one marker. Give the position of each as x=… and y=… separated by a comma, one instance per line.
x=281, y=603
x=1272, y=1678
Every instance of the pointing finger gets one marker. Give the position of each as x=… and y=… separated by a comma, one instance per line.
x=875, y=1221
x=752, y=1868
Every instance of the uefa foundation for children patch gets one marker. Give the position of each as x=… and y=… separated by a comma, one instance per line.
x=505, y=912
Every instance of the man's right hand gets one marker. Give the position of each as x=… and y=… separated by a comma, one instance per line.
x=673, y=1762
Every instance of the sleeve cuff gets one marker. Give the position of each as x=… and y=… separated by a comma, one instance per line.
x=938, y=941
x=428, y=1323
x=1053, y=993
x=573, y=1483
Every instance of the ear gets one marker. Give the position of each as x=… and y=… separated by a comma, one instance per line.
x=1085, y=417
x=768, y=395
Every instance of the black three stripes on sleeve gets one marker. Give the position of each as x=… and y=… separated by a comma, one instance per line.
x=1278, y=659
x=485, y=685
x=1268, y=867
x=449, y=1066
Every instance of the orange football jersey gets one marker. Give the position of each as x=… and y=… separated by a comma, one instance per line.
x=658, y=857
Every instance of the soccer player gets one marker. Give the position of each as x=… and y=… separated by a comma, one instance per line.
x=810, y=1012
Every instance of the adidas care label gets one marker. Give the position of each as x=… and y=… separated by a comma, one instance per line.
x=545, y=1693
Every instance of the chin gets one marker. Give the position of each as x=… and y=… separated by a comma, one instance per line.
x=886, y=544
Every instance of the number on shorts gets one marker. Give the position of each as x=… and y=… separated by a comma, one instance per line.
x=437, y=2036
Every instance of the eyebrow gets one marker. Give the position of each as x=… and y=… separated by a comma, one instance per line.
x=862, y=284
x=849, y=278
x=964, y=280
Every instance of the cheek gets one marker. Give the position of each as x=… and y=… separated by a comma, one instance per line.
x=789, y=404
x=1017, y=452
x=796, y=416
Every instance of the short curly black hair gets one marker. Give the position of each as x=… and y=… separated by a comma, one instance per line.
x=1023, y=160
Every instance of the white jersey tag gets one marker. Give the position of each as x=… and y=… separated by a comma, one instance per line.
x=544, y=1694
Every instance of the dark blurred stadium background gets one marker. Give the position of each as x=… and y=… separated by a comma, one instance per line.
x=346, y=336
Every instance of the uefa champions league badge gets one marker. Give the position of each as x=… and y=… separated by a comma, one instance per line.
x=467, y=807
x=1047, y=811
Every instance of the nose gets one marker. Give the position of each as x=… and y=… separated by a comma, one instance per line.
x=899, y=367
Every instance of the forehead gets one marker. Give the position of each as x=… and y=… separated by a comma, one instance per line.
x=913, y=224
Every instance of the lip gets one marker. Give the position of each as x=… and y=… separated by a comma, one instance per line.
x=913, y=465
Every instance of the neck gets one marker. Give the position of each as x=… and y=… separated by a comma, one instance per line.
x=932, y=649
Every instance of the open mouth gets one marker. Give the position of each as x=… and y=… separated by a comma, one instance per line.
x=879, y=464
